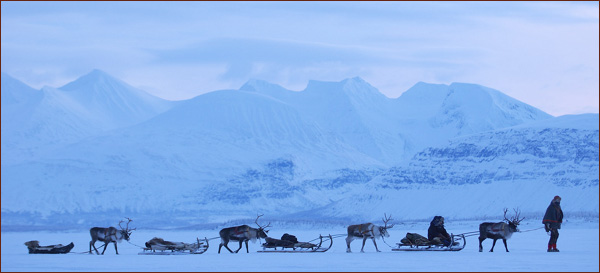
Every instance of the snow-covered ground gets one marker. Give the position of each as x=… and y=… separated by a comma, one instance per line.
x=578, y=243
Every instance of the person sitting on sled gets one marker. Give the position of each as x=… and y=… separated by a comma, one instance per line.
x=437, y=234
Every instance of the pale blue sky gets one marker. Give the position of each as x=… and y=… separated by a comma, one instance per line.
x=543, y=53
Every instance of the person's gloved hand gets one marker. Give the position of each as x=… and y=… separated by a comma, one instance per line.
x=547, y=227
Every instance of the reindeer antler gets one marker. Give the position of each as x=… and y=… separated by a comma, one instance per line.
x=516, y=219
x=506, y=219
x=127, y=227
x=386, y=219
x=261, y=227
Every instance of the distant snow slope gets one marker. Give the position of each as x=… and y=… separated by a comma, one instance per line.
x=99, y=149
x=478, y=175
x=35, y=121
x=114, y=103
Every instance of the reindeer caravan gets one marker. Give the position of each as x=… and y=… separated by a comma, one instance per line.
x=437, y=239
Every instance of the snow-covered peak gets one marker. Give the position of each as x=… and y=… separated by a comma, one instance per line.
x=356, y=81
x=15, y=91
x=423, y=91
x=358, y=86
x=114, y=99
x=470, y=108
x=491, y=98
x=95, y=78
x=260, y=85
x=353, y=92
x=422, y=100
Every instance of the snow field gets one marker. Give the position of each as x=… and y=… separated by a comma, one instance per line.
x=578, y=243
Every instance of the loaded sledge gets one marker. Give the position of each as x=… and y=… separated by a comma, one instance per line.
x=158, y=246
x=35, y=248
x=416, y=242
x=289, y=244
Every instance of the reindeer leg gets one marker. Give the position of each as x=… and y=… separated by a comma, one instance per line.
x=116, y=251
x=349, y=239
x=247, y=251
x=239, y=247
x=363, y=246
x=480, y=244
x=505, y=246
x=105, y=245
x=92, y=243
x=494, y=244
x=226, y=243
x=375, y=243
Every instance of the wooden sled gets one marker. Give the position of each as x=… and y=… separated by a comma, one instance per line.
x=457, y=244
x=272, y=245
x=158, y=246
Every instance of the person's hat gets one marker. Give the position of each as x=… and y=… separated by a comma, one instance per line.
x=556, y=198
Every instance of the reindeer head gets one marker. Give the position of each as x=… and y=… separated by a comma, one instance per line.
x=513, y=222
x=126, y=232
x=383, y=230
x=262, y=232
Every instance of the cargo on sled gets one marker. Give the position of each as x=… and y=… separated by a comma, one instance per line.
x=34, y=247
x=158, y=246
x=416, y=242
x=290, y=244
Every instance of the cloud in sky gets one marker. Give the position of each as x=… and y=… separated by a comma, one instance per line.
x=543, y=53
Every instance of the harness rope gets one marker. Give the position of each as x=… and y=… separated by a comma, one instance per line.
x=383, y=238
x=84, y=252
x=475, y=233
x=530, y=230
x=469, y=234
x=135, y=244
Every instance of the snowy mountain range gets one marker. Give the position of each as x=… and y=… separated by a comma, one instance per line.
x=98, y=149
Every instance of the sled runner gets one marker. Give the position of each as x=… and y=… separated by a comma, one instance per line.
x=158, y=246
x=416, y=242
x=273, y=245
x=35, y=248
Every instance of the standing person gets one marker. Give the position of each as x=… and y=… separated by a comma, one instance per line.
x=437, y=233
x=552, y=220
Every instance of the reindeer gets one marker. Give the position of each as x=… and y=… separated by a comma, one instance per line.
x=368, y=230
x=500, y=230
x=241, y=234
x=108, y=235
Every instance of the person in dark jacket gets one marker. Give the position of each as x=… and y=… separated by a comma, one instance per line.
x=437, y=233
x=552, y=220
